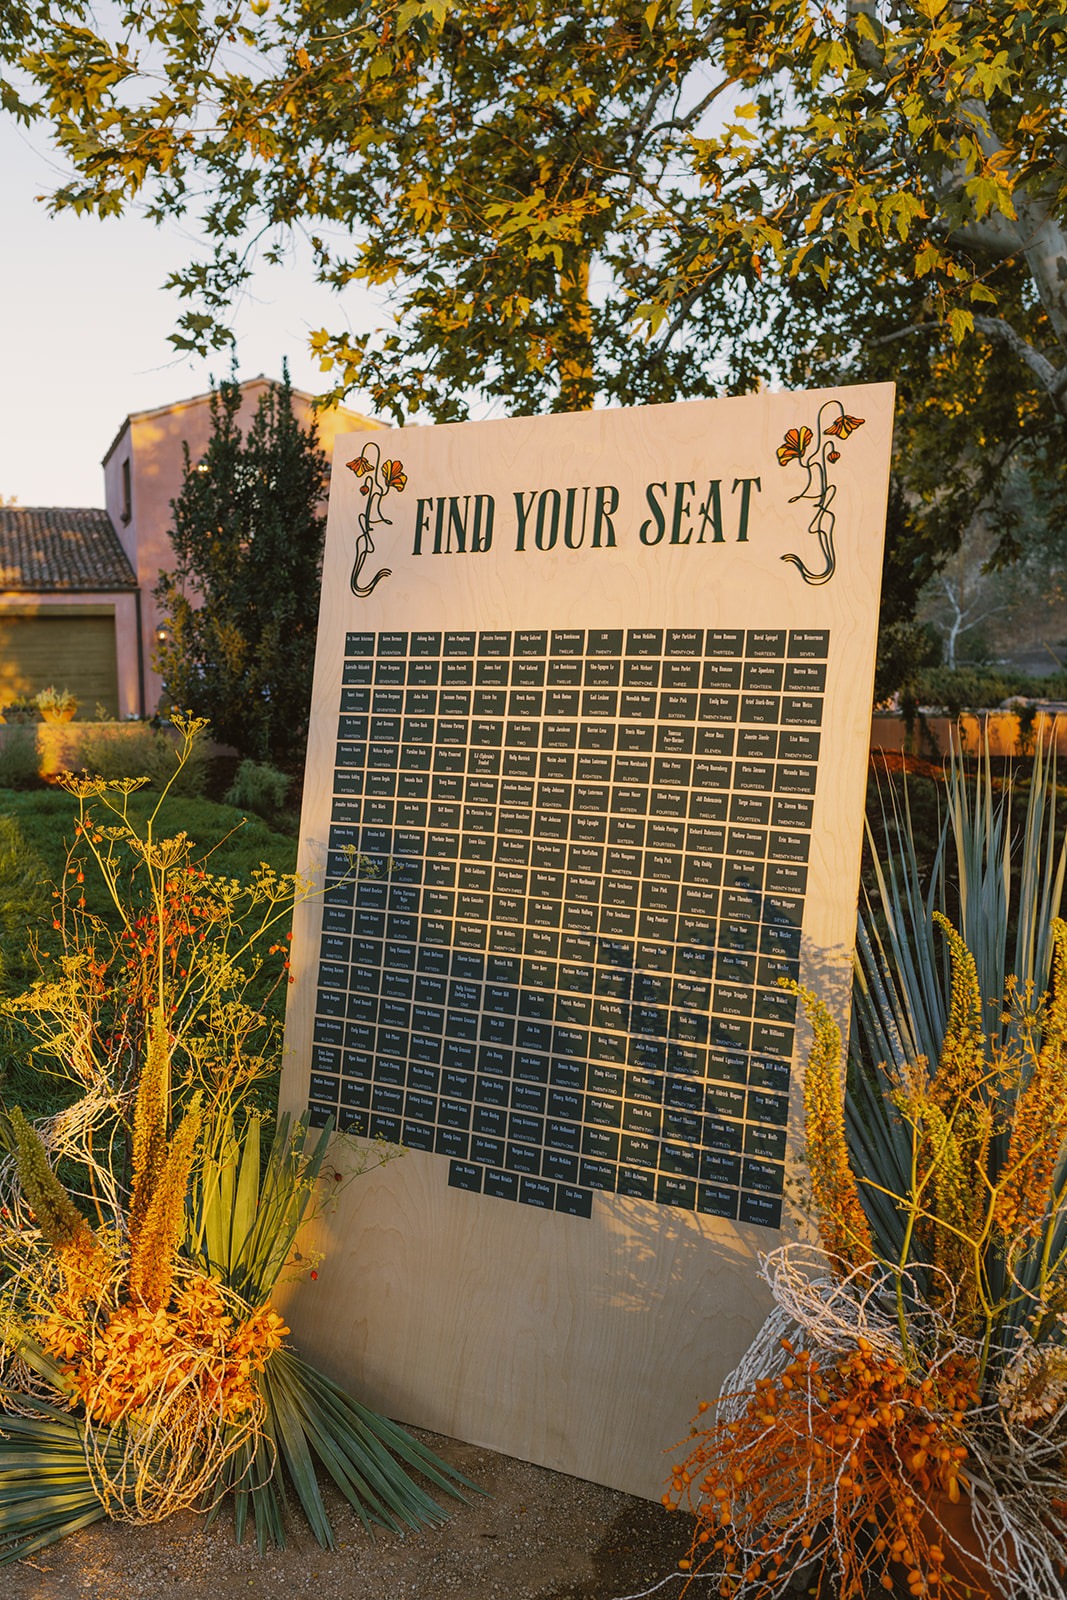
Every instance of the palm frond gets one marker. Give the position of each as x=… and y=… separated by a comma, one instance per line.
x=243, y=1220
x=46, y=1490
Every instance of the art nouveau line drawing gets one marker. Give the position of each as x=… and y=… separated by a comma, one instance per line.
x=815, y=453
x=378, y=479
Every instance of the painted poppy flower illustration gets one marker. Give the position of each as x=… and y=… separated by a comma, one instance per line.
x=814, y=452
x=379, y=479
x=844, y=426
x=796, y=442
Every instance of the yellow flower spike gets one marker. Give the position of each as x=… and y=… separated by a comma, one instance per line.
x=152, y=1252
x=150, y=1124
x=1039, y=1123
x=843, y=1226
x=962, y=1066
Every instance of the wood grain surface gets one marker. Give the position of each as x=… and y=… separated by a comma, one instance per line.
x=584, y=1345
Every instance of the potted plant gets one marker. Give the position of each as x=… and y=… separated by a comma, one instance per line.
x=56, y=705
x=22, y=711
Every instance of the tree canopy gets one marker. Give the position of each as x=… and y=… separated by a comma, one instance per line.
x=609, y=201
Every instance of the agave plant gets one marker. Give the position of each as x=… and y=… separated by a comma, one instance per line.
x=991, y=899
x=901, y=1416
x=989, y=875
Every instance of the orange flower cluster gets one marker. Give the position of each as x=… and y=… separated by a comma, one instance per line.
x=137, y=1359
x=838, y=1463
x=183, y=920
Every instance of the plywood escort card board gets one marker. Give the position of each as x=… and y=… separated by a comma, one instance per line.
x=585, y=781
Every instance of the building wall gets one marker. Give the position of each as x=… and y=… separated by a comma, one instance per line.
x=123, y=607
x=151, y=443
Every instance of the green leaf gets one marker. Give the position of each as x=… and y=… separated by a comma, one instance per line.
x=46, y=1492
x=960, y=323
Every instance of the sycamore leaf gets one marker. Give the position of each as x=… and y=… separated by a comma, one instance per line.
x=960, y=323
x=926, y=260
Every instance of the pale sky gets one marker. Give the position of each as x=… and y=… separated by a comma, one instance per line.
x=84, y=321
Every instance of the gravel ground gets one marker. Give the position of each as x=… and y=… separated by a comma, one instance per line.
x=535, y=1535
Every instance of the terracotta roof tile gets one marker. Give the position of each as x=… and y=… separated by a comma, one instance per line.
x=52, y=547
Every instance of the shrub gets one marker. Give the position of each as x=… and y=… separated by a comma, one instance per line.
x=18, y=759
x=957, y=689
x=904, y=648
x=22, y=710
x=258, y=787
x=114, y=751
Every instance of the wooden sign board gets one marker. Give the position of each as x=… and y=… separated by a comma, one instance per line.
x=591, y=708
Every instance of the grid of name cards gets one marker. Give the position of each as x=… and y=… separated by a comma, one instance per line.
x=566, y=874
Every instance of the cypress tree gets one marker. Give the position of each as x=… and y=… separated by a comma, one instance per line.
x=242, y=601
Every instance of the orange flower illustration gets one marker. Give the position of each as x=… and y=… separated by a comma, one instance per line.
x=844, y=426
x=814, y=452
x=380, y=479
x=796, y=442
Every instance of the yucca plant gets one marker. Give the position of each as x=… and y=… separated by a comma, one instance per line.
x=989, y=904
x=991, y=873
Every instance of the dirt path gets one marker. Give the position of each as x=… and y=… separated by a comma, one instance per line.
x=537, y=1536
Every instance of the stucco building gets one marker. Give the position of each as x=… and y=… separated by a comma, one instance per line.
x=77, y=607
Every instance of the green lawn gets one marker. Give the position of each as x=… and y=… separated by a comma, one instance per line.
x=47, y=816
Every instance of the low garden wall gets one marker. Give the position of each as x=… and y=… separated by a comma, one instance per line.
x=996, y=733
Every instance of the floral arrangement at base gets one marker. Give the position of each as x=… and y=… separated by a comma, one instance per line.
x=159, y=1363
x=143, y=1369
x=899, y=1422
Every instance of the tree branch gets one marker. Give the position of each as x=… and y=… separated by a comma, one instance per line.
x=994, y=236
x=683, y=123
x=1052, y=379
